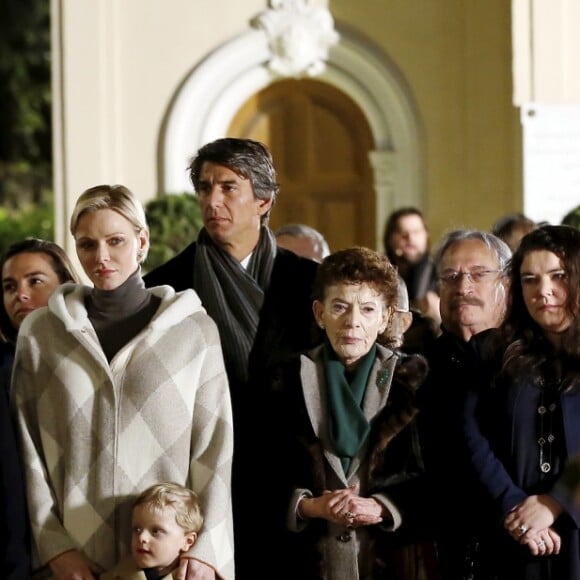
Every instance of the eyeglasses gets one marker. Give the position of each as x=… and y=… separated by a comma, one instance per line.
x=451, y=277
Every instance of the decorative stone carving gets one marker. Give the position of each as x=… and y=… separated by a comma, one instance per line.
x=299, y=36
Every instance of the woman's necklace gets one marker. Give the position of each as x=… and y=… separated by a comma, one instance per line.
x=546, y=438
x=546, y=411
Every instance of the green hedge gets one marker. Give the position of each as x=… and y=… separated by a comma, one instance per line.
x=29, y=221
x=174, y=221
x=572, y=218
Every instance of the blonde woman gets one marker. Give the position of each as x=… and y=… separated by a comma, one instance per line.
x=118, y=387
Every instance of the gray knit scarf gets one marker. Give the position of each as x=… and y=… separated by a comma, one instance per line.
x=234, y=296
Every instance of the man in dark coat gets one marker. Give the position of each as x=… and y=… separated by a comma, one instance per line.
x=471, y=269
x=258, y=294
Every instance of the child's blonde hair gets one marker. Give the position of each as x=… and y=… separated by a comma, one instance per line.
x=183, y=501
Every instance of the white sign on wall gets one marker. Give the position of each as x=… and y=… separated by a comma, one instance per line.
x=551, y=136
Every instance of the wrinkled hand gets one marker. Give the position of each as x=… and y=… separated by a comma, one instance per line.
x=348, y=508
x=72, y=565
x=534, y=514
x=190, y=569
x=329, y=506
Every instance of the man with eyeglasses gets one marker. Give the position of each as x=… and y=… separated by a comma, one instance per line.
x=470, y=266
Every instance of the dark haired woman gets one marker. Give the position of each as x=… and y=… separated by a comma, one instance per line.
x=522, y=425
x=31, y=271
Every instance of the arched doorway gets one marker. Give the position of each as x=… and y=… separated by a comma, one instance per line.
x=219, y=88
x=320, y=141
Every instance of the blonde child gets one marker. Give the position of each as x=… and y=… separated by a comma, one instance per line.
x=165, y=522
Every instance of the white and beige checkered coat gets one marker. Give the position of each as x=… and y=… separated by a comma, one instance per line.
x=94, y=434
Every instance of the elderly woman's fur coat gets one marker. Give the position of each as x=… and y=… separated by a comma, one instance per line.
x=388, y=467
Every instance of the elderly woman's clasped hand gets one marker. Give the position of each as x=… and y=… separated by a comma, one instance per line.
x=344, y=507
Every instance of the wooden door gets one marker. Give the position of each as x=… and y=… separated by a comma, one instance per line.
x=320, y=141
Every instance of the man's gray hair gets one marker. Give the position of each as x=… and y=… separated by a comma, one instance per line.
x=498, y=247
x=302, y=230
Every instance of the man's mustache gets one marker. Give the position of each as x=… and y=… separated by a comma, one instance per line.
x=469, y=301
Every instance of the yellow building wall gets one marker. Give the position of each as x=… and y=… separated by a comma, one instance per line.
x=456, y=57
x=119, y=64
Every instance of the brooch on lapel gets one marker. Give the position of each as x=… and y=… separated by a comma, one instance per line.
x=383, y=378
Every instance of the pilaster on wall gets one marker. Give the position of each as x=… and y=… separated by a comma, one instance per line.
x=86, y=88
x=384, y=165
x=546, y=51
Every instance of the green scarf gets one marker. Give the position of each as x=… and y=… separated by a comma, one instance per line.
x=348, y=426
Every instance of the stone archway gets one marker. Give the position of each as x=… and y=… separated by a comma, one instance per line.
x=209, y=98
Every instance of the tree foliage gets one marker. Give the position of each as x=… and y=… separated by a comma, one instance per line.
x=174, y=221
x=29, y=221
x=25, y=94
x=572, y=218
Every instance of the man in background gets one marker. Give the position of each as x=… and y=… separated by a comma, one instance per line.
x=511, y=228
x=302, y=240
x=406, y=243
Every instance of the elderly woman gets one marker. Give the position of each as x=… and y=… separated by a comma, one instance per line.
x=348, y=470
x=119, y=387
x=522, y=424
